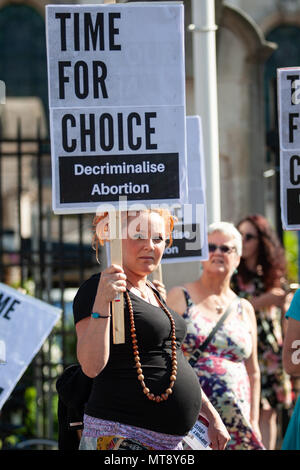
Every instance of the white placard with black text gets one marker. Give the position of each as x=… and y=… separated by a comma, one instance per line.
x=288, y=86
x=190, y=234
x=25, y=323
x=117, y=104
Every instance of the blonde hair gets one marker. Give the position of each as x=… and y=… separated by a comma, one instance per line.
x=227, y=228
x=100, y=226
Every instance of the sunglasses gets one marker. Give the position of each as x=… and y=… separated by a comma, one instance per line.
x=248, y=236
x=223, y=248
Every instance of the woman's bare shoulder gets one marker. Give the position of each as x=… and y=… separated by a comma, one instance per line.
x=176, y=299
x=249, y=311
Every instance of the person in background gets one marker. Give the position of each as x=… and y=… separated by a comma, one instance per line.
x=291, y=344
x=227, y=369
x=260, y=278
x=291, y=363
x=145, y=395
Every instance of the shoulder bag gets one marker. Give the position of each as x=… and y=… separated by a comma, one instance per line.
x=197, y=353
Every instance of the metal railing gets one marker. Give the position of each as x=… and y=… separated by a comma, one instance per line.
x=48, y=256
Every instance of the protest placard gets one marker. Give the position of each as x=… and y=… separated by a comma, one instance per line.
x=117, y=104
x=25, y=323
x=190, y=233
x=117, y=107
x=197, y=438
x=2, y=352
x=288, y=86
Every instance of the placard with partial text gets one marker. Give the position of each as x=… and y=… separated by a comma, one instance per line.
x=25, y=323
x=190, y=233
x=116, y=79
x=288, y=86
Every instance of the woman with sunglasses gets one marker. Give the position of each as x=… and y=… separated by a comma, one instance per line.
x=227, y=369
x=260, y=279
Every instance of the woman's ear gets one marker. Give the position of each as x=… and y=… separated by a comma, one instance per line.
x=102, y=229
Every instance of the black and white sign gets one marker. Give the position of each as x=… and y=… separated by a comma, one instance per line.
x=25, y=323
x=190, y=234
x=117, y=104
x=289, y=137
x=2, y=352
x=197, y=438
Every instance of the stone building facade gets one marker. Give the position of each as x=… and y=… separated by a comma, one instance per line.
x=253, y=38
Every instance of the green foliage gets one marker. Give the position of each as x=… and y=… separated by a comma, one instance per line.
x=28, y=286
x=55, y=418
x=31, y=407
x=290, y=241
x=10, y=441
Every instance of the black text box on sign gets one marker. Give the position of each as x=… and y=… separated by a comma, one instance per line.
x=101, y=179
x=293, y=206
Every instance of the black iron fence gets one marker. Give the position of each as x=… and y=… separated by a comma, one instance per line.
x=48, y=256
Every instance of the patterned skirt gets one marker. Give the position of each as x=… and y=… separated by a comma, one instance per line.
x=100, y=434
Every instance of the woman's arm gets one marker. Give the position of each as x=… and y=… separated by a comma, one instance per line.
x=176, y=300
x=291, y=348
x=93, y=334
x=217, y=432
x=253, y=370
x=275, y=296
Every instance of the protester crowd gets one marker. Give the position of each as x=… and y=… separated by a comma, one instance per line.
x=220, y=346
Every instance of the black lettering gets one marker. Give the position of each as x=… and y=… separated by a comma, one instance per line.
x=1, y=390
x=295, y=162
x=62, y=17
x=292, y=126
x=64, y=131
x=120, y=131
x=106, y=117
x=81, y=70
x=113, y=31
x=131, y=144
x=76, y=32
x=3, y=303
x=292, y=78
x=99, y=79
x=62, y=79
x=84, y=132
x=149, y=130
x=92, y=32
x=11, y=309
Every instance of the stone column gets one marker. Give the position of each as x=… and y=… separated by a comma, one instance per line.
x=242, y=51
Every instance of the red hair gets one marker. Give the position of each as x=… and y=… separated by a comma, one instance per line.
x=101, y=227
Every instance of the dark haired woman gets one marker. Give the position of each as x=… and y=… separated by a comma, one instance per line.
x=261, y=280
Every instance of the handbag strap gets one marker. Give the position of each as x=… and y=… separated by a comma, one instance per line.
x=194, y=358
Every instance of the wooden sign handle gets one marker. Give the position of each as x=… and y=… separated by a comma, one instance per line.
x=116, y=258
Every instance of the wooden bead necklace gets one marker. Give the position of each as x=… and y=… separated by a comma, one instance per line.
x=165, y=395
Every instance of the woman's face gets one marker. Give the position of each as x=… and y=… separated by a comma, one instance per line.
x=143, y=243
x=250, y=239
x=223, y=258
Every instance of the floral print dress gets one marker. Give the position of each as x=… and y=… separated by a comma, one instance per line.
x=222, y=372
x=276, y=387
